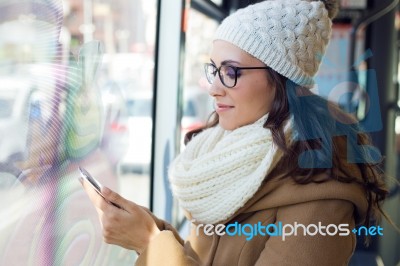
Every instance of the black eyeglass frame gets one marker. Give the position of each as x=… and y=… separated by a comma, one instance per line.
x=235, y=68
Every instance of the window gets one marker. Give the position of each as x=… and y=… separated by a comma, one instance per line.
x=88, y=61
x=197, y=104
x=139, y=107
x=6, y=107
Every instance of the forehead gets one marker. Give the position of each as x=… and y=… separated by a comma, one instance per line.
x=222, y=50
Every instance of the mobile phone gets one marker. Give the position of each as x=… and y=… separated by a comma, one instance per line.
x=95, y=184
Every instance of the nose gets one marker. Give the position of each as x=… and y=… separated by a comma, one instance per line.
x=216, y=88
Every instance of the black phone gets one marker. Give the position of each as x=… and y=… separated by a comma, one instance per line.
x=95, y=184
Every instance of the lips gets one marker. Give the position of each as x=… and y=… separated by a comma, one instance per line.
x=220, y=107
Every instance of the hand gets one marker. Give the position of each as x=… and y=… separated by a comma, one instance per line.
x=131, y=227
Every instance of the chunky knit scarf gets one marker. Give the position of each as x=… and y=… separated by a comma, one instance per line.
x=220, y=170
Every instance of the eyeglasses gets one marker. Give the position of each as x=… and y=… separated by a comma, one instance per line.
x=226, y=73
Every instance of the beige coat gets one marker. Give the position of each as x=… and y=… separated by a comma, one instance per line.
x=276, y=201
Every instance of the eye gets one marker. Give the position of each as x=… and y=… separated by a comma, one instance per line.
x=230, y=72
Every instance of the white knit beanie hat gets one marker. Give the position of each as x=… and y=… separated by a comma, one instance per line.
x=290, y=36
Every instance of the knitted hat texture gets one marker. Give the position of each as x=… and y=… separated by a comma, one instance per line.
x=290, y=36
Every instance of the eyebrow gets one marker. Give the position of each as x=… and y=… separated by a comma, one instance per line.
x=227, y=62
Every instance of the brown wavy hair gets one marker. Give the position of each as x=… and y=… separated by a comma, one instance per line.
x=315, y=119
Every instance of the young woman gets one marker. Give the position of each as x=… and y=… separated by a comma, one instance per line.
x=279, y=176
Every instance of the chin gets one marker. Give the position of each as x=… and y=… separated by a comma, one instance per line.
x=227, y=126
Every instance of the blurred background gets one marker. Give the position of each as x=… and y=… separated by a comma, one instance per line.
x=113, y=86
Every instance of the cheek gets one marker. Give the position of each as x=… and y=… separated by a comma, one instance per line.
x=251, y=106
x=259, y=96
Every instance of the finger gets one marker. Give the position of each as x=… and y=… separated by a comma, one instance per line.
x=94, y=197
x=115, y=198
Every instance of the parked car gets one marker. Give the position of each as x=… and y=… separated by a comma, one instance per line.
x=139, y=123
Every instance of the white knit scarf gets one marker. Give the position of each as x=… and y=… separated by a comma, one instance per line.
x=220, y=170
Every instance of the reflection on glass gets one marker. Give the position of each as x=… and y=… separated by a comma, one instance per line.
x=66, y=101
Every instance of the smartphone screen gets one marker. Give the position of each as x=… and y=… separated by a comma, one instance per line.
x=95, y=184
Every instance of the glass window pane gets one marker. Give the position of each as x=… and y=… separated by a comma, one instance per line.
x=197, y=105
x=76, y=81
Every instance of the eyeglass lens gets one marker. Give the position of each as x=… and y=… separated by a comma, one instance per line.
x=227, y=74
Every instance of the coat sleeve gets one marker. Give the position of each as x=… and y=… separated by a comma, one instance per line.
x=168, y=248
x=312, y=250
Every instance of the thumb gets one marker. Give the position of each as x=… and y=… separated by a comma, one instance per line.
x=114, y=198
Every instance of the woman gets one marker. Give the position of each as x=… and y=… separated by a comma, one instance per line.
x=267, y=182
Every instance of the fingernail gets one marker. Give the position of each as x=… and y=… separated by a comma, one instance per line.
x=105, y=190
